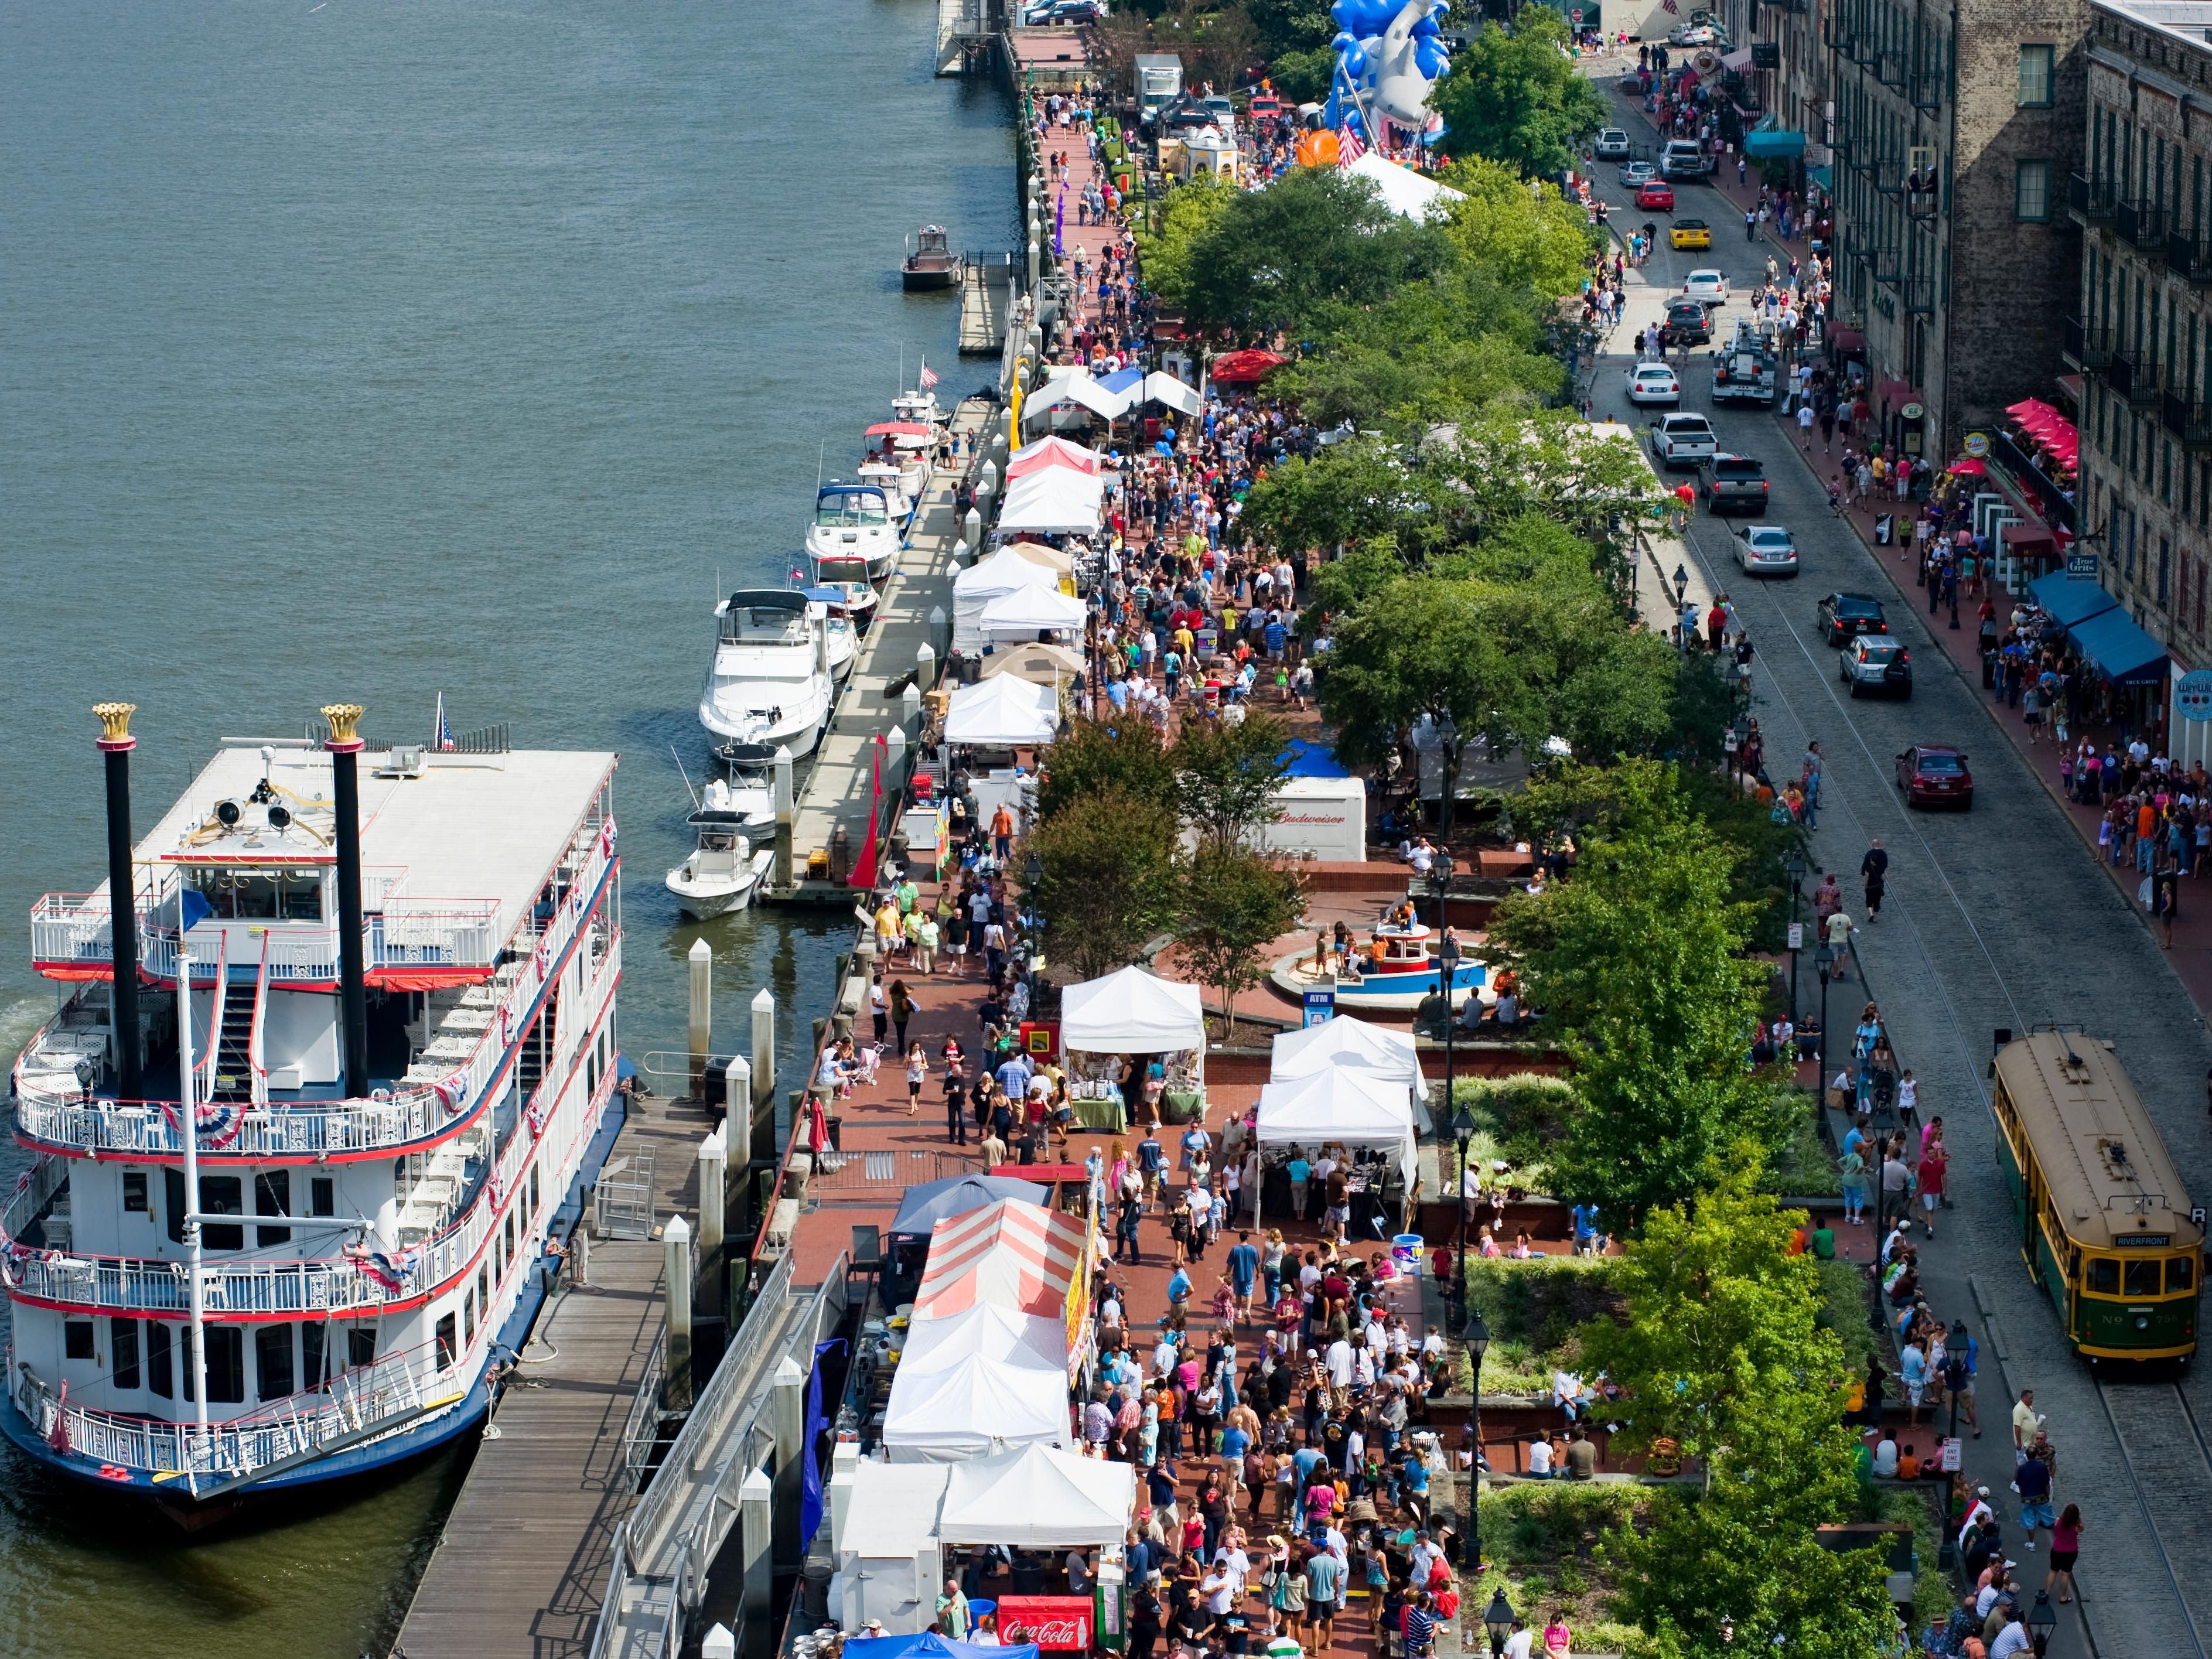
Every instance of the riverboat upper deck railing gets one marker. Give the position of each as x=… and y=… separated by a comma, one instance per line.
x=57, y=1105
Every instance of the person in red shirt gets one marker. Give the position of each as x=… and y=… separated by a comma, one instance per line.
x=1934, y=1162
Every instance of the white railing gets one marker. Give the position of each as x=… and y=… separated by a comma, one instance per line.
x=257, y=1051
x=219, y=1002
x=350, y=1406
x=68, y=1117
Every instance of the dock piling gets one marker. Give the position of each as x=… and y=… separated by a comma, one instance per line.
x=756, y=1542
x=713, y=1190
x=763, y=1059
x=702, y=965
x=787, y=1415
x=676, y=1280
x=785, y=809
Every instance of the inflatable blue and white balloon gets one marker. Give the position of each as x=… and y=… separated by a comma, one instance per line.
x=1388, y=55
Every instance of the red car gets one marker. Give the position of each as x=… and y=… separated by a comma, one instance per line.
x=1935, y=774
x=1656, y=196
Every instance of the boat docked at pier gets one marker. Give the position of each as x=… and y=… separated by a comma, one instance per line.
x=769, y=682
x=723, y=870
x=931, y=264
x=338, y=1048
x=855, y=519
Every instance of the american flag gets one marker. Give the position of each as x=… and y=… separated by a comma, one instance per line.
x=927, y=378
x=1348, y=147
x=1671, y=7
x=443, y=737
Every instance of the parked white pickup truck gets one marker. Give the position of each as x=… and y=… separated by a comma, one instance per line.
x=1683, y=441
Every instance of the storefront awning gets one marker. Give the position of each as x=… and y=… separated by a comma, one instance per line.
x=2122, y=652
x=2070, y=602
x=1764, y=144
x=1820, y=177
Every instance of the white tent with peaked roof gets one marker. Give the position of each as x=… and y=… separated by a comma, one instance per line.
x=1354, y=1045
x=1038, y=1497
x=1133, y=1011
x=1352, y=1107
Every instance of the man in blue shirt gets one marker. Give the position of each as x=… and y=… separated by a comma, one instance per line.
x=1585, y=1229
x=1014, y=1075
x=1178, y=1296
x=1244, y=1266
x=1151, y=1158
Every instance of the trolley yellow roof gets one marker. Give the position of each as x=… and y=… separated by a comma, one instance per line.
x=2103, y=1162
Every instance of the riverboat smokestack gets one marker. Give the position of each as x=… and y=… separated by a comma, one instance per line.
x=116, y=743
x=345, y=748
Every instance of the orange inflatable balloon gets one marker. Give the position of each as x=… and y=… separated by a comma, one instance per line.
x=1317, y=148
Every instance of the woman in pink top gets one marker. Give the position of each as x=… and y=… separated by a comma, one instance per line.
x=1557, y=1639
x=2065, y=1546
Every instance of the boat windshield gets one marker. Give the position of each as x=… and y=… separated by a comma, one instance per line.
x=852, y=509
x=765, y=627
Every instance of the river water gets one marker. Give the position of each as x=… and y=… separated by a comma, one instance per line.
x=358, y=352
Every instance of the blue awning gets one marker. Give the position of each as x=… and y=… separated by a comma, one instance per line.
x=1821, y=178
x=1768, y=139
x=2070, y=602
x=2122, y=652
x=1312, y=760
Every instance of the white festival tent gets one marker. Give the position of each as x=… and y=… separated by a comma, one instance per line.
x=1003, y=1335
x=1002, y=711
x=1403, y=190
x=1163, y=388
x=960, y=1410
x=1131, y=1012
x=1059, y=563
x=1057, y=500
x=1354, y=1108
x=1065, y=384
x=1354, y=1045
x=1028, y=612
x=1068, y=385
x=1005, y=572
x=1036, y=1498
x=1039, y=664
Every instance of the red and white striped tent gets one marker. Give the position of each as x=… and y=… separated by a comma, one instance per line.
x=1008, y=1255
x=1052, y=451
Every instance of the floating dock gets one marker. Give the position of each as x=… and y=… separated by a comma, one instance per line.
x=851, y=779
x=986, y=297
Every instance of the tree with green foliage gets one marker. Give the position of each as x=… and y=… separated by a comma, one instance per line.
x=1426, y=646
x=1185, y=220
x=1516, y=98
x=1350, y=492
x=1508, y=463
x=1532, y=241
x=1227, y=773
x=1300, y=256
x=1108, y=878
x=1093, y=756
x=1236, y=903
x=1635, y=966
x=1722, y=1352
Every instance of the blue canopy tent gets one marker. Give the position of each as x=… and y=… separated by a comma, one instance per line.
x=2123, y=653
x=2068, y=601
x=1313, y=760
x=931, y=1645
x=933, y=1201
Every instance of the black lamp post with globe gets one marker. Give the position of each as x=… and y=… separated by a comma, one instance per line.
x=1462, y=1129
x=1476, y=1335
x=1497, y=1620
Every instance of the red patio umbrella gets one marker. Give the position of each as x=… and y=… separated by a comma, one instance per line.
x=1967, y=467
x=1246, y=368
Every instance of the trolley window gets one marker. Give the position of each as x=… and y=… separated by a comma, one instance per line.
x=2103, y=1276
x=2142, y=1278
x=2180, y=1274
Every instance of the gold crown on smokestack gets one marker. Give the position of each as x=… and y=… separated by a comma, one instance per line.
x=114, y=720
x=343, y=718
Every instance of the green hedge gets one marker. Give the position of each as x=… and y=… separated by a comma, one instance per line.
x=1534, y=1310
x=1540, y=1542
x=1516, y=1117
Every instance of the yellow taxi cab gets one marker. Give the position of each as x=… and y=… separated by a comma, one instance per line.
x=1690, y=233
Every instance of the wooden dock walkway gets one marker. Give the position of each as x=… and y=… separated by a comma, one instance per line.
x=840, y=786
x=984, y=302
x=523, y=1562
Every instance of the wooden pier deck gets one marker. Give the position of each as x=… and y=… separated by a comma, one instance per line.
x=984, y=302
x=523, y=1562
x=840, y=786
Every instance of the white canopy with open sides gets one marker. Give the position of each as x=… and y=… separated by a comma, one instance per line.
x=1133, y=1011
x=1347, y=1045
x=1036, y=1498
x=1352, y=1107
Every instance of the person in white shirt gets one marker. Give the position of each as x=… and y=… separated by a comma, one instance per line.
x=1522, y=1639
x=1885, y=1459
x=1540, y=1457
x=1339, y=1360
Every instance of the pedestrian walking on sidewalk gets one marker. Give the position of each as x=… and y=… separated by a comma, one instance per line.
x=1751, y=225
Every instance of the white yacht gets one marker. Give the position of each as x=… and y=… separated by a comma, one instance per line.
x=919, y=408
x=890, y=477
x=770, y=681
x=723, y=870
x=854, y=519
x=368, y=1010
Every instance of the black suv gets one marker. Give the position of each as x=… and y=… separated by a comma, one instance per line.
x=1844, y=616
x=1686, y=320
x=1735, y=482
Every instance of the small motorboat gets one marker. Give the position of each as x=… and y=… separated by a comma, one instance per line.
x=723, y=870
x=930, y=262
x=854, y=519
x=849, y=597
x=918, y=408
x=769, y=682
x=890, y=477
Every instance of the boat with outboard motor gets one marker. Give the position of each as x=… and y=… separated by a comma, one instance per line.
x=855, y=519
x=723, y=870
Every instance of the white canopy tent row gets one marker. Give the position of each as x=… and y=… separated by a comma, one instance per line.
x=1356, y=1110
x=1067, y=384
x=1353, y=1045
x=1005, y=572
x=1002, y=712
x=1403, y=190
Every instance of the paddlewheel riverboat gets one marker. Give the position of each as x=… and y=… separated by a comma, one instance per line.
x=341, y=1042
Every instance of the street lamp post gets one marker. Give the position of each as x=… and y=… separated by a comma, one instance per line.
x=1795, y=867
x=1447, y=972
x=1498, y=1621
x=1476, y=1335
x=2042, y=1620
x=1462, y=1129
